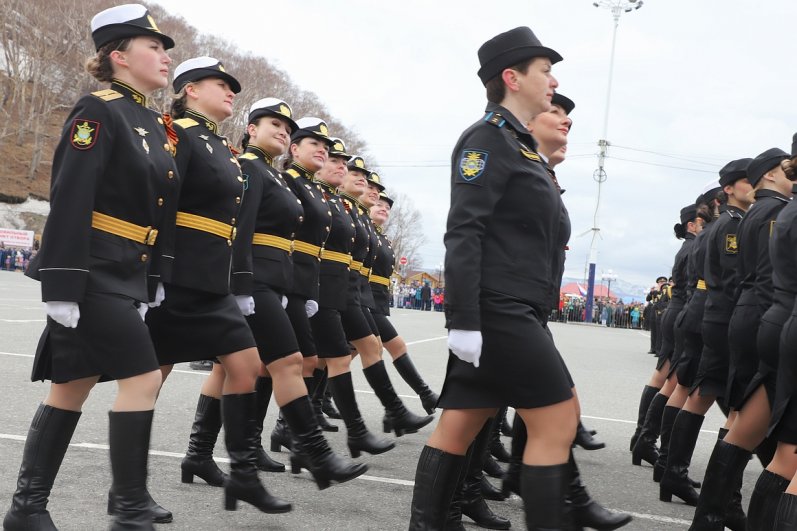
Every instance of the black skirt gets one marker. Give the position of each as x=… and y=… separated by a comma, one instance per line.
x=386, y=329
x=677, y=350
x=519, y=365
x=783, y=423
x=768, y=347
x=271, y=326
x=712, y=373
x=110, y=340
x=192, y=325
x=301, y=325
x=689, y=360
x=328, y=331
x=743, y=347
x=668, y=330
x=355, y=324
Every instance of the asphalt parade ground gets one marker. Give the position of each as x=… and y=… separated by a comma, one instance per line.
x=609, y=366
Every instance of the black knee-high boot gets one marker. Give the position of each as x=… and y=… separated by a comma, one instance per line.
x=786, y=515
x=311, y=450
x=410, y=374
x=318, y=394
x=473, y=504
x=645, y=447
x=436, y=480
x=496, y=447
x=397, y=417
x=129, y=434
x=667, y=420
x=723, y=478
x=644, y=403
x=359, y=438
x=263, y=388
x=585, y=511
x=198, y=460
x=764, y=501
x=48, y=439
x=675, y=480
x=512, y=478
x=238, y=415
x=544, y=489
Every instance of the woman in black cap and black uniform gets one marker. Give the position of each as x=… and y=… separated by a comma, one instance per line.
x=270, y=217
x=200, y=318
x=112, y=171
x=499, y=261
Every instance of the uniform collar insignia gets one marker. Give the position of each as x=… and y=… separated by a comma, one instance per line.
x=204, y=137
x=304, y=171
x=204, y=120
x=329, y=188
x=260, y=153
x=141, y=131
x=354, y=200
x=129, y=92
x=493, y=109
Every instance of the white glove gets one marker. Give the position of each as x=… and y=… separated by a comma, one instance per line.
x=284, y=302
x=311, y=307
x=160, y=294
x=466, y=345
x=62, y=312
x=142, y=310
x=246, y=304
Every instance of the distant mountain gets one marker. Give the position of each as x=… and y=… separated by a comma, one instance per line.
x=620, y=288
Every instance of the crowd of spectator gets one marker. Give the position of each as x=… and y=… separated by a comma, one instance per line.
x=15, y=259
x=608, y=312
x=417, y=296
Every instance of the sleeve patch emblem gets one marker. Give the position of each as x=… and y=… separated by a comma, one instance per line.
x=472, y=164
x=84, y=133
x=731, y=246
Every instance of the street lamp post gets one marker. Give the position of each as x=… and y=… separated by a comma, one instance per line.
x=440, y=275
x=617, y=8
x=609, y=277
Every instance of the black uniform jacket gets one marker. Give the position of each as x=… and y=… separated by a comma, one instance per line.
x=374, y=242
x=754, y=274
x=680, y=275
x=564, y=235
x=314, y=230
x=113, y=158
x=783, y=255
x=696, y=289
x=334, y=278
x=211, y=187
x=361, y=248
x=720, y=267
x=503, y=224
x=269, y=208
x=383, y=267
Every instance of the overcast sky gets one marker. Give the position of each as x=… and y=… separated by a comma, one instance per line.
x=696, y=84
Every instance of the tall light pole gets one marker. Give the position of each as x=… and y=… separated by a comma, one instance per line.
x=609, y=277
x=617, y=8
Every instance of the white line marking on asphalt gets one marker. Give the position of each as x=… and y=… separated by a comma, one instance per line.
x=714, y=432
x=24, y=320
x=438, y=338
x=662, y=519
x=15, y=354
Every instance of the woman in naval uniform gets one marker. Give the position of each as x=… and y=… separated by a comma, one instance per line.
x=200, y=318
x=113, y=174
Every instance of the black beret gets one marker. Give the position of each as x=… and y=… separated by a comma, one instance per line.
x=272, y=107
x=764, y=163
x=510, y=48
x=564, y=102
x=688, y=213
x=199, y=68
x=124, y=22
x=733, y=171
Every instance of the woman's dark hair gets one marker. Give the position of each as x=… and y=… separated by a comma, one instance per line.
x=247, y=137
x=704, y=212
x=286, y=163
x=722, y=197
x=179, y=104
x=789, y=166
x=100, y=66
x=496, y=88
x=680, y=231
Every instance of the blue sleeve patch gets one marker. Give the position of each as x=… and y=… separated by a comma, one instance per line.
x=472, y=164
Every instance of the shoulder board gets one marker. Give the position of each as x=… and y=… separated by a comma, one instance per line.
x=248, y=156
x=530, y=155
x=734, y=214
x=495, y=119
x=293, y=173
x=107, y=94
x=185, y=123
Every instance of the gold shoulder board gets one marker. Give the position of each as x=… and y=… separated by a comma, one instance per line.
x=530, y=155
x=248, y=156
x=107, y=94
x=293, y=173
x=185, y=123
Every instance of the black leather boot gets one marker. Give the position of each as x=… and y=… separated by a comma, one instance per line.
x=586, y=512
x=280, y=435
x=263, y=388
x=786, y=514
x=397, y=417
x=410, y=374
x=311, y=450
x=198, y=460
x=327, y=407
x=506, y=428
x=318, y=393
x=490, y=491
x=644, y=403
x=544, y=489
x=359, y=438
x=585, y=439
x=437, y=477
x=238, y=413
x=645, y=447
x=496, y=447
x=492, y=468
x=675, y=480
x=723, y=478
x=764, y=501
x=48, y=438
x=512, y=478
x=667, y=420
x=129, y=434
x=473, y=504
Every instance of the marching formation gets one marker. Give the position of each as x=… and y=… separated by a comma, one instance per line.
x=724, y=334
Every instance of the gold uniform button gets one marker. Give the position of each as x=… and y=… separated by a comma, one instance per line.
x=330, y=213
x=229, y=243
x=144, y=257
x=237, y=200
x=224, y=142
x=352, y=239
x=232, y=221
x=240, y=179
x=160, y=120
x=160, y=201
x=170, y=175
x=166, y=147
x=298, y=201
x=301, y=218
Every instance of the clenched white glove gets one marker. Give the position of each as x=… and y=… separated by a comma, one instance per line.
x=311, y=307
x=142, y=310
x=284, y=302
x=63, y=312
x=160, y=294
x=246, y=304
x=466, y=345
